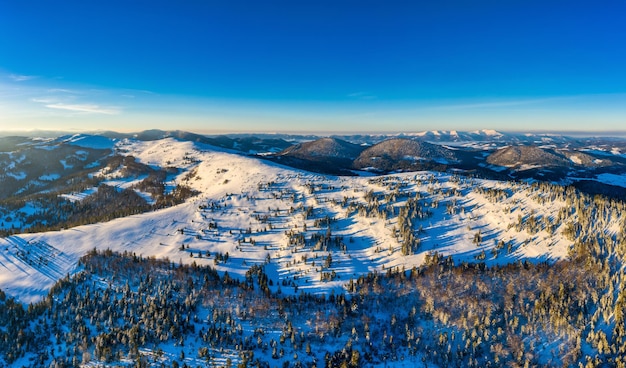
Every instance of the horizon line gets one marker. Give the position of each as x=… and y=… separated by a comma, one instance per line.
x=579, y=133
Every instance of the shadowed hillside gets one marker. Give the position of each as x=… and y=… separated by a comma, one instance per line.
x=326, y=155
x=517, y=156
x=404, y=154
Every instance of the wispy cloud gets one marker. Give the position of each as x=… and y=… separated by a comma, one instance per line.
x=43, y=100
x=21, y=78
x=87, y=108
x=362, y=95
x=63, y=90
x=73, y=101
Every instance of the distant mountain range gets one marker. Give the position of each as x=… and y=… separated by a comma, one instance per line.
x=486, y=154
x=482, y=153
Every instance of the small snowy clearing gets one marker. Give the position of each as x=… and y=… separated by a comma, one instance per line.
x=18, y=176
x=77, y=197
x=612, y=179
x=49, y=177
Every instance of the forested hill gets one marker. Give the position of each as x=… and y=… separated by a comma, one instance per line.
x=134, y=311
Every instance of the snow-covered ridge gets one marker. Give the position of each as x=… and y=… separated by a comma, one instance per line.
x=254, y=209
x=453, y=135
x=89, y=141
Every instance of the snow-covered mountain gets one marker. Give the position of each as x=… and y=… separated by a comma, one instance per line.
x=253, y=209
x=177, y=251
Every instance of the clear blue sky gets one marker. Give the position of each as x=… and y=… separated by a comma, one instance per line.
x=313, y=65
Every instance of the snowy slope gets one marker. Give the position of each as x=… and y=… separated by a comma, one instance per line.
x=254, y=204
x=89, y=141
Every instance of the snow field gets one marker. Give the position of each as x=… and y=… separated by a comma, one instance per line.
x=246, y=208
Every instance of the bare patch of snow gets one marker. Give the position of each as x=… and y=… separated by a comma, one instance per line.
x=612, y=179
x=18, y=176
x=77, y=197
x=66, y=165
x=49, y=177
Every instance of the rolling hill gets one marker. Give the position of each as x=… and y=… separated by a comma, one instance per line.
x=524, y=157
x=324, y=148
x=272, y=265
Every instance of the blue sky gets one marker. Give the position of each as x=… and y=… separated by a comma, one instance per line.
x=331, y=66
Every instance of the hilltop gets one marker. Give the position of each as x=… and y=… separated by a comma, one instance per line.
x=404, y=154
x=326, y=155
